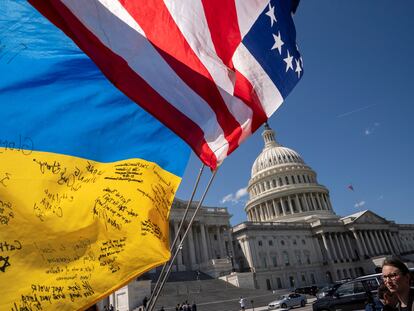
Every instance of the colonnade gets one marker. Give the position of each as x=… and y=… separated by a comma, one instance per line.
x=290, y=204
x=204, y=242
x=339, y=247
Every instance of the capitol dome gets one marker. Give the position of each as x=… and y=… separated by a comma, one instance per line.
x=273, y=154
x=283, y=187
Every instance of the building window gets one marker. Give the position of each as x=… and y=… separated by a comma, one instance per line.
x=307, y=256
x=267, y=185
x=279, y=283
x=292, y=281
x=299, y=179
x=260, y=243
x=294, y=242
x=287, y=180
x=303, y=278
x=274, y=261
x=280, y=182
x=286, y=258
x=264, y=262
x=282, y=242
x=312, y=276
x=270, y=243
x=268, y=285
x=274, y=183
x=293, y=180
x=215, y=237
x=298, y=257
x=303, y=242
x=295, y=209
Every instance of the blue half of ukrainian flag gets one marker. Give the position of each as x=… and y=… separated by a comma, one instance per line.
x=87, y=178
x=54, y=95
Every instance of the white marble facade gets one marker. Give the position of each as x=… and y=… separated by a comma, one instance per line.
x=293, y=236
x=208, y=245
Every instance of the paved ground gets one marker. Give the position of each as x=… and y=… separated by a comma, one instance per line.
x=308, y=307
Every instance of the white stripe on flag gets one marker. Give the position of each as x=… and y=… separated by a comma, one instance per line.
x=189, y=17
x=269, y=95
x=115, y=28
x=247, y=13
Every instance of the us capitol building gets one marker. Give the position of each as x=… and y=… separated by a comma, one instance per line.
x=292, y=236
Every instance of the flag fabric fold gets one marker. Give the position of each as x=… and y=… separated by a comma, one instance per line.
x=212, y=71
x=87, y=177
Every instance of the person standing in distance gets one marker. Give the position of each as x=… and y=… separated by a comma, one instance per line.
x=242, y=302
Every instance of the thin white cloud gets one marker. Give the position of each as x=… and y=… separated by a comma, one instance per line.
x=359, y=204
x=241, y=193
x=234, y=198
x=354, y=111
x=381, y=197
x=371, y=129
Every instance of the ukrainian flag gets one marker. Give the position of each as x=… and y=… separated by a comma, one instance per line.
x=87, y=178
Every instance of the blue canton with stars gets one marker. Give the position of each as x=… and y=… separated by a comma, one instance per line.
x=272, y=41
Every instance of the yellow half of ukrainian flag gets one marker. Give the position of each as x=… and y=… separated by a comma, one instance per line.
x=87, y=178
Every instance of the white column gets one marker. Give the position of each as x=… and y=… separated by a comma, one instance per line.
x=319, y=201
x=325, y=244
x=221, y=246
x=351, y=249
x=305, y=202
x=283, y=206
x=361, y=249
x=329, y=202
x=204, y=242
x=325, y=206
x=390, y=245
x=370, y=247
x=275, y=209
x=300, y=207
x=180, y=253
x=342, y=258
x=380, y=242
x=313, y=201
x=191, y=247
x=333, y=247
x=341, y=237
x=247, y=252
x=395, y=238
x=374, y=241
x=290, y=205
x=252, y=245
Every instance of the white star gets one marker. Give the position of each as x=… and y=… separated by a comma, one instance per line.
x=271, y=14
x=278, y=42
x=298, y=68
x=288, y=60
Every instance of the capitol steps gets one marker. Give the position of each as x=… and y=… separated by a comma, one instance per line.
x=210, y=294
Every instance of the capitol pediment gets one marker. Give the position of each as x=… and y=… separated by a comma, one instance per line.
x=365, y=217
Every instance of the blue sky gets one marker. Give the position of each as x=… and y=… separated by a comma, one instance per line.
x=350, y=117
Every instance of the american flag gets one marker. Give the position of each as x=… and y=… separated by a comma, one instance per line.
x=212, y=71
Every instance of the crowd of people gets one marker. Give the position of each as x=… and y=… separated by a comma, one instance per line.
x=185, y=306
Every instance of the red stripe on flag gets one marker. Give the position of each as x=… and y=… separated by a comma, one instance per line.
x=162, y=31
x=244, y=90
x=120, y=74
x=222, y=21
